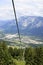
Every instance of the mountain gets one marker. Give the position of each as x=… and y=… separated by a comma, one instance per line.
x=28, y=25
x=9, y=27
x=32, y=26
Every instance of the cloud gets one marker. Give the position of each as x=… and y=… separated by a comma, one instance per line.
x=23, y=7
x=6, y=10
x=6, y=13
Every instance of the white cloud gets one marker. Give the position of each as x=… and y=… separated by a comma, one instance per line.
x=23, y=7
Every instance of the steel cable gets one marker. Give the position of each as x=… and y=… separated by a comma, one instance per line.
x=16, y=20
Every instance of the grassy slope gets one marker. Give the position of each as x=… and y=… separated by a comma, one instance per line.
x=19, y=62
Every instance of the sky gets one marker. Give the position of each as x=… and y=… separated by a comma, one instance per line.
x=23, y=8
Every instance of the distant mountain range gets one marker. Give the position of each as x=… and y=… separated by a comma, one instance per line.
x=28, y=25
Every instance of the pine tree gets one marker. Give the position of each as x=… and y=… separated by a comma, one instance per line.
x=5, y=57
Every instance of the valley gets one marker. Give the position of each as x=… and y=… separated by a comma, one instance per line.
x=13, y=40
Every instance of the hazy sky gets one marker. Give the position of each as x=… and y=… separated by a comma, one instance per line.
x=23, y=7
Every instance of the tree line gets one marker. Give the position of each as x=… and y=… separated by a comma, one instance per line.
x=31, y=56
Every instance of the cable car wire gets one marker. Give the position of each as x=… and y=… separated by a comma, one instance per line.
x=16, y=20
